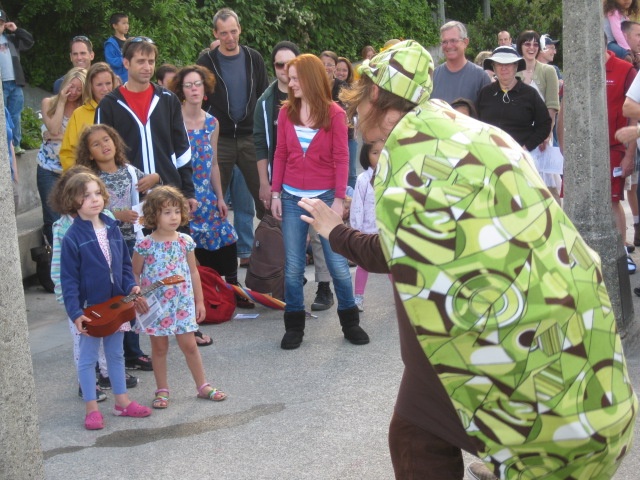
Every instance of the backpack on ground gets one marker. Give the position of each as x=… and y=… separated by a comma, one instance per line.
x=266, y=267
x=219, y=299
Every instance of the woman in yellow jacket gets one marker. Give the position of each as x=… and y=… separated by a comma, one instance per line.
x=100, y=81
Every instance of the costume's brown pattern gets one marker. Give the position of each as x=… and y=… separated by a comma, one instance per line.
x=507, y=300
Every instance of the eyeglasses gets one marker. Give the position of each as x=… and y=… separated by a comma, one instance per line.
x=279, y=65
x=453, y=41
x=197, y=83
x=531, y=44
x=327, y=65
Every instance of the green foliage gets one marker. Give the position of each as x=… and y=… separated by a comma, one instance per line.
x=182, y=28
x=515, y=16
x=30, y=124
x=464, y=11
x=179, y=27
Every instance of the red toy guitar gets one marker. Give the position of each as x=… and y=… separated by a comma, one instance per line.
x=107, y=317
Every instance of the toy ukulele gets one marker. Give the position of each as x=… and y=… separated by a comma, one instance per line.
x=107, y=317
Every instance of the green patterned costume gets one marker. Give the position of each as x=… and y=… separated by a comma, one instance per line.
x=507, y=300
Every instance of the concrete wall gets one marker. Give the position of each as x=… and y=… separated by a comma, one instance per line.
x=29, y=219
x=27, y=188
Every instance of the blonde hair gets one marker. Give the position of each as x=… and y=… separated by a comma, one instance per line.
x=95, y=69
x=75, y=72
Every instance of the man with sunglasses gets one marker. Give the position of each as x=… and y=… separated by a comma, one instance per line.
x=149, y=120
x=241, y=77
x=265, y=119
x=457, y=77
x=81, y=54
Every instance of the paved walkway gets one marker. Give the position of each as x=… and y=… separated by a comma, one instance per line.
x=319, y=412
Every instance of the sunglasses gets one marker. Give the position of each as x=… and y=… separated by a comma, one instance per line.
x=531, y=44
x=131, y=41
x=80, y=38
x=279, y=65
x=141, y=39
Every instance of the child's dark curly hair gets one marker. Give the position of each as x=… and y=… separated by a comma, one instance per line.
x=83, y=155
x=73, y=194
x=162, y=197
x=55, y=196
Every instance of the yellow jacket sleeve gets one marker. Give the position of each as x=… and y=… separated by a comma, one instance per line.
x=80, y=119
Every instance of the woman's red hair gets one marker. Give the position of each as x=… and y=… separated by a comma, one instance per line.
x=316, y=91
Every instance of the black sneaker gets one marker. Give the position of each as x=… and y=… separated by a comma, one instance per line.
x=324, y=297
x=105, y=382
x=143, y=362
x=100, y=395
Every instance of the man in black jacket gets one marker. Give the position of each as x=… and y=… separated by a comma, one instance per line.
x=241, y=77
x=14, y=40
x=149, y=120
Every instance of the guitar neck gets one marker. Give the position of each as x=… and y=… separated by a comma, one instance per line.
x=144, y=291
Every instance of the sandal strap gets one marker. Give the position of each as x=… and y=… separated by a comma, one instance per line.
x=161, y=390
x=202, y=387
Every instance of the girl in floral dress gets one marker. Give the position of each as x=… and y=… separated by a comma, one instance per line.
x=215, y=237
x=164, y=253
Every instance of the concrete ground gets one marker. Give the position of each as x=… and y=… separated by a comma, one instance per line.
x=321, y=411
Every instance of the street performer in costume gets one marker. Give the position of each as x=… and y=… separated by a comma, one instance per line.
x=506, y=329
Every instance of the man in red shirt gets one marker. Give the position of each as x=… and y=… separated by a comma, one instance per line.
x=620, y=75
x=149, y=120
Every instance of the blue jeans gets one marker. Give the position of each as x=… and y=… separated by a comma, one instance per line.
x=14, y=101
x=617, y=49
x=353, y=159
x=294, y=232
x=46, y=179
x=243, y=212
x=89, y=347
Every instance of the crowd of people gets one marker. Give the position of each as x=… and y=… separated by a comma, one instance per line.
x=499, y=301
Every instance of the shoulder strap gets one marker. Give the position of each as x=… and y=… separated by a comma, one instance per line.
x=135, y=196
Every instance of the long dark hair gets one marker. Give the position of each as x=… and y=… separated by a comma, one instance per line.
x=83, y=155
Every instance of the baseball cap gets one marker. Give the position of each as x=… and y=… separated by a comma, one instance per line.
x=3, y=16
x=546, y=40
x=404, y=69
